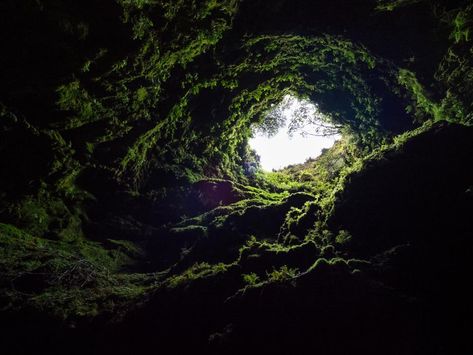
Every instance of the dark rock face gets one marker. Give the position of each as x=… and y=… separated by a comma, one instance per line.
x=412, y=194
x=129, y=221
x=395, y=285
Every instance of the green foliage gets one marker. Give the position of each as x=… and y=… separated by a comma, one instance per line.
x=33, y=216
x=279, y=181
x=196, y=272
x=151, y=117
x=251, y=279
x=456, y=68
x=77, y=100
x=317, y=176
x=304, y=118
x=423, y=104
x=293, y=55
x=391, y=5
x=117, y=96
x=343, y=237
x=283, y=274
x=462, y=23
x=66, y=280
x=191, y=29
x=127, y=248
x=324, y=264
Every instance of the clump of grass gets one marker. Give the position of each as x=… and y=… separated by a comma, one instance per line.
x=66, y=280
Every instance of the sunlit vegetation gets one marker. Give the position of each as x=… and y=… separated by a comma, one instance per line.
x=291, y=132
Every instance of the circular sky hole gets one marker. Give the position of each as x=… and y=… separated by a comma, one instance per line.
x=292, y=132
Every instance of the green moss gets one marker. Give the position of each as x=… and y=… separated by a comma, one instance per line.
x=167, y=105
x=424, y=104
x=65, y=280
x=251, y=279
x=324, y=264
x=462, y=26
x=391, y=5
x=33, y=216
x=282, y=274
x=456, y=67
x=74, y=99
x=197, y=271
x=343, y=237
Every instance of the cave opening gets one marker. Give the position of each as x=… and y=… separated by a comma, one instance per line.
x=292, y=131
x=258, y=177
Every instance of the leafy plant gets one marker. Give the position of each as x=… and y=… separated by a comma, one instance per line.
x=282, y=274
x=251, y=279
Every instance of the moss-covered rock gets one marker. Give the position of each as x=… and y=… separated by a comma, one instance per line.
x=131, y=223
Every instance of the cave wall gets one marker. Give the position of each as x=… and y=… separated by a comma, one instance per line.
x=133, y=94
x=125, y=207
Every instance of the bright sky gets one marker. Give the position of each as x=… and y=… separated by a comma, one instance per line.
x=282, y=150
